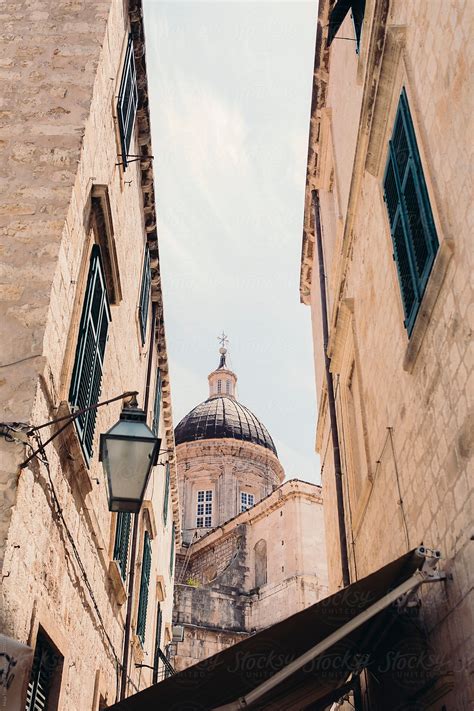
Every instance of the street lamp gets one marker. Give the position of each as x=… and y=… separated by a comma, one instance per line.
x=128, y=451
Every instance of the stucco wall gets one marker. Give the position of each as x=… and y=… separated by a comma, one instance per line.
x=415, y=403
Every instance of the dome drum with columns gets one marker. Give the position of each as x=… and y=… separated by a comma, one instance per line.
x=226, y=458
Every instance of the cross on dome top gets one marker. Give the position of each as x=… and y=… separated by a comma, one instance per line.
x=222, y=381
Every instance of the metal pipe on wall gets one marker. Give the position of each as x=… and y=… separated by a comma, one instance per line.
x=331, y=399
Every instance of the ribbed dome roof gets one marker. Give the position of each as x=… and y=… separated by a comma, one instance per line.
x=220, y=417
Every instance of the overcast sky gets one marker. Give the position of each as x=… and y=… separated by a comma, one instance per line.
x=230, y=92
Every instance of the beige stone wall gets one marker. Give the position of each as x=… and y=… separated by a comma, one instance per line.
x=226, y=467
x=61, y=68
x=217, y=594
x=405, y=408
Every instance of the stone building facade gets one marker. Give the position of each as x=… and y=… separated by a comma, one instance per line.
x=81, y=319
x=388, y=175
x=253, y=547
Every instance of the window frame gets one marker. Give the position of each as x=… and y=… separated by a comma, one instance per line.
x=204, y=503
x=53, y=673
x=126, y=122
x=144, y=588
x=157, y=404
x=145, y=293
x=123, y=527
x=400, y=222
x=245, y=505
x=166, y=495
x=92, y=382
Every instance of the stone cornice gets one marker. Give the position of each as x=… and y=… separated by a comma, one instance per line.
x=231, y=448
x=135, y=13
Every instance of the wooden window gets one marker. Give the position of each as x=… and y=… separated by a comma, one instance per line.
x=157, y=407
x=144, y=588
x=45, y=675
x=167, y=493
x=173, y=535
x=145, y=295
x=246, y=500
x=204, y=509
x=412, y=228
x=156, y=659
x=122, y=538
x=339, y=12
x=89, y=363
x=127, y=102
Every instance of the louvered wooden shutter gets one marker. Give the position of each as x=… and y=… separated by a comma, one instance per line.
x=45, y=663
x=167, y=494
x=88, y=367
x=127, y=101
x=172, y=551
x=339, y=12
x=411, y=220
x=145, y=295
x=122, y=538
x=157, y=407
x=144, y=586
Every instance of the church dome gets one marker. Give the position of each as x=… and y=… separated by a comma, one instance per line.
x=223, y=417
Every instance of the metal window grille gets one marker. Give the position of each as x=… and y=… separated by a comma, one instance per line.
x=145, y=295
x=144, y=587
x=412, y=228
x=122, y=538
x=167, y=494
x=127, y=101
x=89, y=363
x=157, y=407
x=46, y=663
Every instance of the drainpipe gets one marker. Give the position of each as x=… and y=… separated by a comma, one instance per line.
x=136, y=526
x=331, y=401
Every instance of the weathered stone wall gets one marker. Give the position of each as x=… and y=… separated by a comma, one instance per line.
x=227, y=467
x=407, y=457
x=217, y=594
x=61, y=69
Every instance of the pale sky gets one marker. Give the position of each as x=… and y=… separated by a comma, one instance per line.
x=230, y=94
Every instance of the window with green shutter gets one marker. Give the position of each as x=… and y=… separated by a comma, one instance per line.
x=156, y=659
x=144, y=587
x=167, y=493
x=339, y=12
x=145, y=295
x=172, y=550
x=412, y=227
x=89, y=363
x=157, y=407
x=127, y=102
x=122, y=538
x=46, y=668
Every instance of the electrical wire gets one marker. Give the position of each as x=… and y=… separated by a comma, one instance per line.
x=400, y=499
x=59, y=513
x=20, y=360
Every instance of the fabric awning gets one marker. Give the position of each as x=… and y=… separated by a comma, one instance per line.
x=297, y=661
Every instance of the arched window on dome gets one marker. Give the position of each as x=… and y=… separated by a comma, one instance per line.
x=227, y=386
x=219, y=386
x=260, y=553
